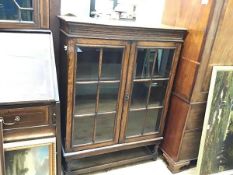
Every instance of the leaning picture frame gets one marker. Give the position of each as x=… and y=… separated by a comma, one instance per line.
x=32, y=157
x=216, y=147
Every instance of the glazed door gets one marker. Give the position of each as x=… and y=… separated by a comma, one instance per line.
x=24, y=14
x=2, y=160
x=99, y=88
x=149, y=80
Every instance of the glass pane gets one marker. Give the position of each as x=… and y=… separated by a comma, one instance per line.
x=161, y=58
x=152, y=120
x=163, y=63
x=85, y=98
x=135, y=123
x=111, y=64
x=8, y=10
x=157, y=94
x=139, y=94
x=87, y=63
x=105, y=127
x=144, y=62
x=26, y=15
x=24, y=3
x=82, y=130
x=108, y=97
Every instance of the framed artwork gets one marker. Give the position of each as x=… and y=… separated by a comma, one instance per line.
x=216, y=148
x=34, y=157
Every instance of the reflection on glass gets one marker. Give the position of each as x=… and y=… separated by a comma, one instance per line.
x=108, y=97
x=139, y=94
x=111, y=63
x=15, y=10
x=144, y=62
x=82, y=130
x=85, y=98
x=24, y=3
x=163, y=63
x=157, y=94
x=87, y=63
x=159, y=60
x=105, y=127
x=26, y=15
x=152, y=120
x=135, y=123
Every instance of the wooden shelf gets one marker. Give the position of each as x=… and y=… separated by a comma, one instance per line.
x=106, y=161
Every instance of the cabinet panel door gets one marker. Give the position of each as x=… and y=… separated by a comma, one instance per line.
x=148, y=85
x=2, y=160
x=98, y=92
x=24, y=14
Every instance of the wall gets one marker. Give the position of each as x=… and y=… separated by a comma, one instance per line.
x=147, y=11
x=76, y=7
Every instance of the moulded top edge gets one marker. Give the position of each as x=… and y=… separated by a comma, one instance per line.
x=112, y=22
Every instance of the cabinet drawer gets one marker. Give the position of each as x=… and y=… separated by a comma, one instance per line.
x=196, y=117
x=25, y=117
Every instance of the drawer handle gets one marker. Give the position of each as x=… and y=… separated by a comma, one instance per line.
x=17, y=119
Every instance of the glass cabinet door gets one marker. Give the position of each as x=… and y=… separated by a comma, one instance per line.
x=150, y=80
x=97, y=88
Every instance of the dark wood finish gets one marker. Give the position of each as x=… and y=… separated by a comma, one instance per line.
x=29, y=133
x=129, y=85
x=129, y=38
x=175, y=166
x=73, y=28
x=207, y=44
x=57, y=116
x=186, y=72
x=108, y=161
x=27, y=117
x=187, y=151
x=71, y=87
x=109, y=149
x=178, y=109
x=218, y=36
x=196, y=117
x=44, y=7
x=54, y=11
x=131, y=62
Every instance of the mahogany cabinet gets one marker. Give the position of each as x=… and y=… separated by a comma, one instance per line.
x=115, y=86
x=29, y=101
x=208, y=43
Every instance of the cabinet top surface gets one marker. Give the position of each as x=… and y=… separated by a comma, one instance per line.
x=118, y=23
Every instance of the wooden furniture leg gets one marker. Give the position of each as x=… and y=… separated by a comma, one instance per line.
x=155, y=152
x=173, y=166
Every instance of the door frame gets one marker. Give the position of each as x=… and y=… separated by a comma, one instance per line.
x=129, y=87
x=72, y=65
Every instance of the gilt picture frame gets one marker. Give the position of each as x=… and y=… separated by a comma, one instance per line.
x=216, y=148
x=33, y=157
